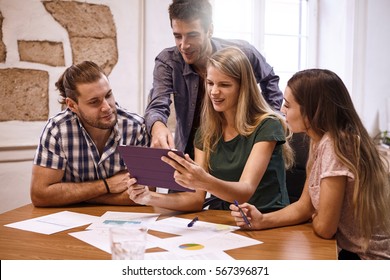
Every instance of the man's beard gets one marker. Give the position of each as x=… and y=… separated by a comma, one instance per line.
x=96, y=123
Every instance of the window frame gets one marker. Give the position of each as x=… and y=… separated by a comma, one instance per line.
x=259, y=32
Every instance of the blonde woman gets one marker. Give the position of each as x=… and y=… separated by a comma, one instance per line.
x=347, y=192
x=240, y=147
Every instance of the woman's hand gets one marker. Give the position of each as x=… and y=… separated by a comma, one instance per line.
x=188, y=174
x=252, y=213
x=139, y=193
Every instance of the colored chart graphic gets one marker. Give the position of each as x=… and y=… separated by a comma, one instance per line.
x=117, y=222
x=191, y=246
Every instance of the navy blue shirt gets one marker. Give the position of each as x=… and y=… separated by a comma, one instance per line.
x=173, y=76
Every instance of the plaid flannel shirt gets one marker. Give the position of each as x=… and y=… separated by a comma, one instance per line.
x=66, y=145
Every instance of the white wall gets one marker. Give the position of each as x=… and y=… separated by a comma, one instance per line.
x=376, y=72
x=354, y=37
x=333, y=41
x=353, y=41
x=158, y=35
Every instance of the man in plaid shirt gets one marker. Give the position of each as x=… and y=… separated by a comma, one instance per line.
x=77, y=159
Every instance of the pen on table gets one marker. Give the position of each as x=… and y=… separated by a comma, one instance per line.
x=192, y=222
x=243, y=214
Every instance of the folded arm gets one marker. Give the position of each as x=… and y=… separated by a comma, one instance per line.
x=47, y=189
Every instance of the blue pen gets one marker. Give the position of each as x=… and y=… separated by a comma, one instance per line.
x=243, y=214
x=192, y=222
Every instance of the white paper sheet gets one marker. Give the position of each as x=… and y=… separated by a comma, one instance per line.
x=179, y=226
x=202, y=241
x=99, y=238
x=189, y=245
x=54, y=222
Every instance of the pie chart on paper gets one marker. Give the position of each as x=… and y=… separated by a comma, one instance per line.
x=191, y=246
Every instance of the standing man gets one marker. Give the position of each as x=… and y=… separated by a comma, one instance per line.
x=77, y=159
x=180, y=71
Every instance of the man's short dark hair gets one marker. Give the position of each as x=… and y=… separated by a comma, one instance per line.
x=189, y=10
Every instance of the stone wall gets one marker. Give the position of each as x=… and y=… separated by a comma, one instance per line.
x=44, y=52
x=24, y=93
x=91, y=30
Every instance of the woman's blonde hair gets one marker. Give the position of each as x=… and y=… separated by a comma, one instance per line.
x=325, y=102
x=252, y=108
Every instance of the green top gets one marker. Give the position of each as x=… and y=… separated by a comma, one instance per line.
x=229, y=159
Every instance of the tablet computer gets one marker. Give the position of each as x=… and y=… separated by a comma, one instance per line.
x=146, y=166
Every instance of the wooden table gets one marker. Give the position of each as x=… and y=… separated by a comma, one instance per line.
x=294, y=242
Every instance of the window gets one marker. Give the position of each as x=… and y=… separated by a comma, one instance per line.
x=279, y=29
